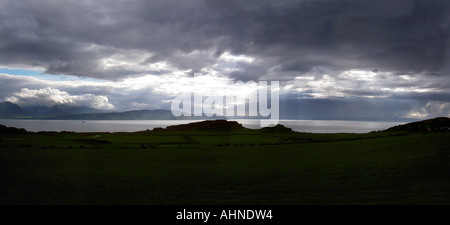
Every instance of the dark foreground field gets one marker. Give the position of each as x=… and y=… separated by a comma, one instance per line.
x=225, y=166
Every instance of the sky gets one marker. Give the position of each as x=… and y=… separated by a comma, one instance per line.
x=334, y=59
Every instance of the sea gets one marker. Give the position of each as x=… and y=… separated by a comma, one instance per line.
x=310, y=126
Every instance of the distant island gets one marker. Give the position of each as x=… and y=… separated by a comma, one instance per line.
x=10, y=110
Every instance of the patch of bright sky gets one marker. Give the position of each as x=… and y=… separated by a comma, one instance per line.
x=39, y=74
x=228, y=57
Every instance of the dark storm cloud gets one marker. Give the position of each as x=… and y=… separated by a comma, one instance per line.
x=74, y=37
x=400, y=36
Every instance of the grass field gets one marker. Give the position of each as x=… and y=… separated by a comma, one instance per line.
x=225, y=167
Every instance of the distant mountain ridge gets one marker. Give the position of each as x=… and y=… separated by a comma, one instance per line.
x=10, y=110
x=158, y=114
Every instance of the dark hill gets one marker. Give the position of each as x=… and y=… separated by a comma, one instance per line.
x=11, y=130
x=208, y=125
x=277, y=129
x=436, y=124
